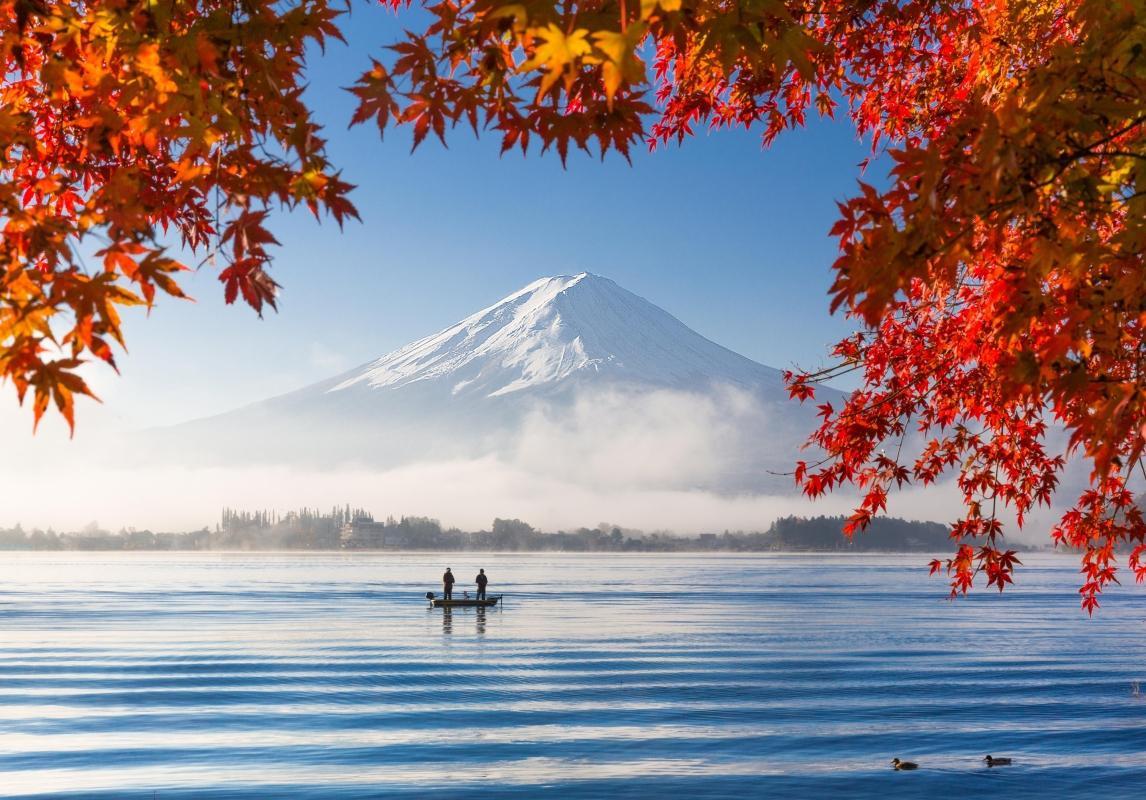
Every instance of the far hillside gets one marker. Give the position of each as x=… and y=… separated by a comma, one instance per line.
x=356, y=529
x=884, y=533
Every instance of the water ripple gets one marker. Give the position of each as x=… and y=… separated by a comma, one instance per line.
x=209, y=676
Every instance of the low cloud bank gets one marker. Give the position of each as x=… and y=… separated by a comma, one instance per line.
x=618, y=440
x=661, y=460
x=468, y=494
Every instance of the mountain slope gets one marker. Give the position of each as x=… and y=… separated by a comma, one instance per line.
x=548, y=371
x=556, y=329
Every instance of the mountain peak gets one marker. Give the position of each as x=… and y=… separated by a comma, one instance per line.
x=577, y=355
x=553, y=330
x=543, y=290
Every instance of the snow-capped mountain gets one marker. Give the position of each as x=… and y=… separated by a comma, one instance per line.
x=556, y=330
x=559, y=371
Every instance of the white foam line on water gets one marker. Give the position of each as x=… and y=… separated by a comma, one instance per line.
x=96, y=653
x=302, y=709
x=70, y=682
x=540, y=771
x=522, y=772
x=210, y=743
x=373, y=683
x=111, y=664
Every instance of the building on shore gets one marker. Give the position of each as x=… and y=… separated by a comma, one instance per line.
x=363, y=533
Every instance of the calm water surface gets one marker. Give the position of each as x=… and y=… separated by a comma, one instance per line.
x=268, y=676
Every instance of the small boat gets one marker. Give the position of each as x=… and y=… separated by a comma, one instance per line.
x=463, y=602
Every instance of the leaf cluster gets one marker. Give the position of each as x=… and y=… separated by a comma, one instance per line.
x=1001, y=284
x=123, y=123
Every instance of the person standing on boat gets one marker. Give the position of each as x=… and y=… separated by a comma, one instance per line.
x=448, y=584
x=481, y=580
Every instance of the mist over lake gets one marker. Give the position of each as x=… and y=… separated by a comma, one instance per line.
x=319, y=675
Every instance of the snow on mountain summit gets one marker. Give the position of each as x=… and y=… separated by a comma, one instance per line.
x=559, y=328
x=571, y=377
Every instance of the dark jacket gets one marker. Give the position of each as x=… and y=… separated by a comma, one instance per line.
x=481, y=579
x=448, y=579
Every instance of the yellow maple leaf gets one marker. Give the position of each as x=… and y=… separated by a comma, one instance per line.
x=555, y=53
x=620, y=64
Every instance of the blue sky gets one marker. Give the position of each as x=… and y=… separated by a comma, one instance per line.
x=730, y=238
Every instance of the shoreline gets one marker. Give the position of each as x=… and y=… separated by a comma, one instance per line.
x=629, y=553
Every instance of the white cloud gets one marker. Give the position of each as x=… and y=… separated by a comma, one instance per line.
x=618, y=439
x=468, y=494
x=641, y=461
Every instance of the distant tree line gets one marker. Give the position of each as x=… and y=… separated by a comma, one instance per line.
x=92, y=537
x=346, y=528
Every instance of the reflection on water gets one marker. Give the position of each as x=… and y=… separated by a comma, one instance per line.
x=447, y=615
x=245, y=676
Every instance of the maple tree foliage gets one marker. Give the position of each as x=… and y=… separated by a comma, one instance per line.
x=124, y=122
x=1001, y=283
x=997, y=275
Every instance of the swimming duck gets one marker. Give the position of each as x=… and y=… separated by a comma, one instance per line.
x=997, y=762
x=901, y=765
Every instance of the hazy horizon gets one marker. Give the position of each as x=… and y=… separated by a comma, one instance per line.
x=566, y=449
x=615, y=432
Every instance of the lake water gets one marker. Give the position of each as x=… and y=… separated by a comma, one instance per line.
x=604, y=676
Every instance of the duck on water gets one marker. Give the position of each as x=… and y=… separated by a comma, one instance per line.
x=991, y=762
